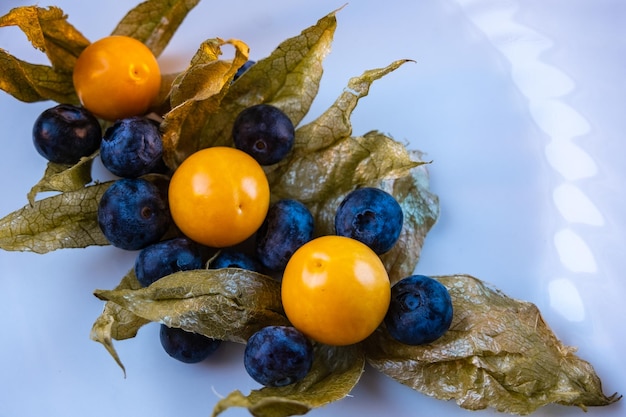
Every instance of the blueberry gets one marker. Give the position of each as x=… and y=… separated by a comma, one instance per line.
x=166, y=257
x=288, y=225
x=65, y=133
x=264, y=132
x=186, y=346
x=132, y=147
x=230, y=258
x=276, y=356
x=420, y=311
x=243, y=69
x=371, y=216
x=132, y=214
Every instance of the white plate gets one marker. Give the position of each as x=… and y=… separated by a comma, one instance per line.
x=520, y=107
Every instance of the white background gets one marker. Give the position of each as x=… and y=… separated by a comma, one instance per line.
x=519, y=105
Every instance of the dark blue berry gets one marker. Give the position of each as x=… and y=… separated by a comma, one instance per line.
x=243, y=69
x=166, y=257
x=288, y=225
x=276, y=356
x=230, y=258
x=133, y=214
x=132, y=147
x=65, y=133
x=371, y=216
x=186, y=346
x=265, y=132
x=420, y=311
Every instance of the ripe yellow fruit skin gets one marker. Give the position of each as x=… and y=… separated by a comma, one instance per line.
x=335, y=290
x=117, y=77
x=219, y=196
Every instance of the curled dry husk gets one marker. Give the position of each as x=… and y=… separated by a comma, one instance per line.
x=499, y=353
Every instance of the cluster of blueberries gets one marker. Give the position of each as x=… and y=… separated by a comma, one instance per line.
x=133, y=214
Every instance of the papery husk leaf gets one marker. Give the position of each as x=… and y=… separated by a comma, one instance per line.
x=335, y=372
x=195, y=94
x=334, y=124
x=116, y=322
x=206, y=76
x=319, y=177
x=63, y=177
x=33, y=82
x=498, y=353
x=67, y=220
x=49, y=31
x=154, y=22
x=289, y=79
x=336, y=159
x=226, y=304
x=327, y=163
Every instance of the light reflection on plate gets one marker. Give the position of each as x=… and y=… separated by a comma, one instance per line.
x=545, y=86
x=525, y=161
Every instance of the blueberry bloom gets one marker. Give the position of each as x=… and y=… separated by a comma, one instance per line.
x=133, y=214
x=264, y=132
x=276, y=356
x=132, y=147
x=371, y=216
x=420, y=311
x=65, y=133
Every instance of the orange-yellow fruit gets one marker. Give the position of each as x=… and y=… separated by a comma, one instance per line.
x=117, y=77
x=335, y=290
x=219, y=196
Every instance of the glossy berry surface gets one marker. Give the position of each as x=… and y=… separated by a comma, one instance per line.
x=186, y=346
x=265, y=132
x=117, y=77
x=335, y=290
x=289, y=224
x=132, y=214
x=245, y=67
x=372, y=216
x=276, y=356
x=65, y=133
x=230, y=258
x=132, y=147
x=219, y=196
x=166, y=257
x=420, y=311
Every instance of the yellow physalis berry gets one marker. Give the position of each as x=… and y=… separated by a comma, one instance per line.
x=219, y=196
x=117, y=77
x=335, y=290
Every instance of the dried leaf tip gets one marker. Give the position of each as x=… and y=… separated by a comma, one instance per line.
x=499, y=353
